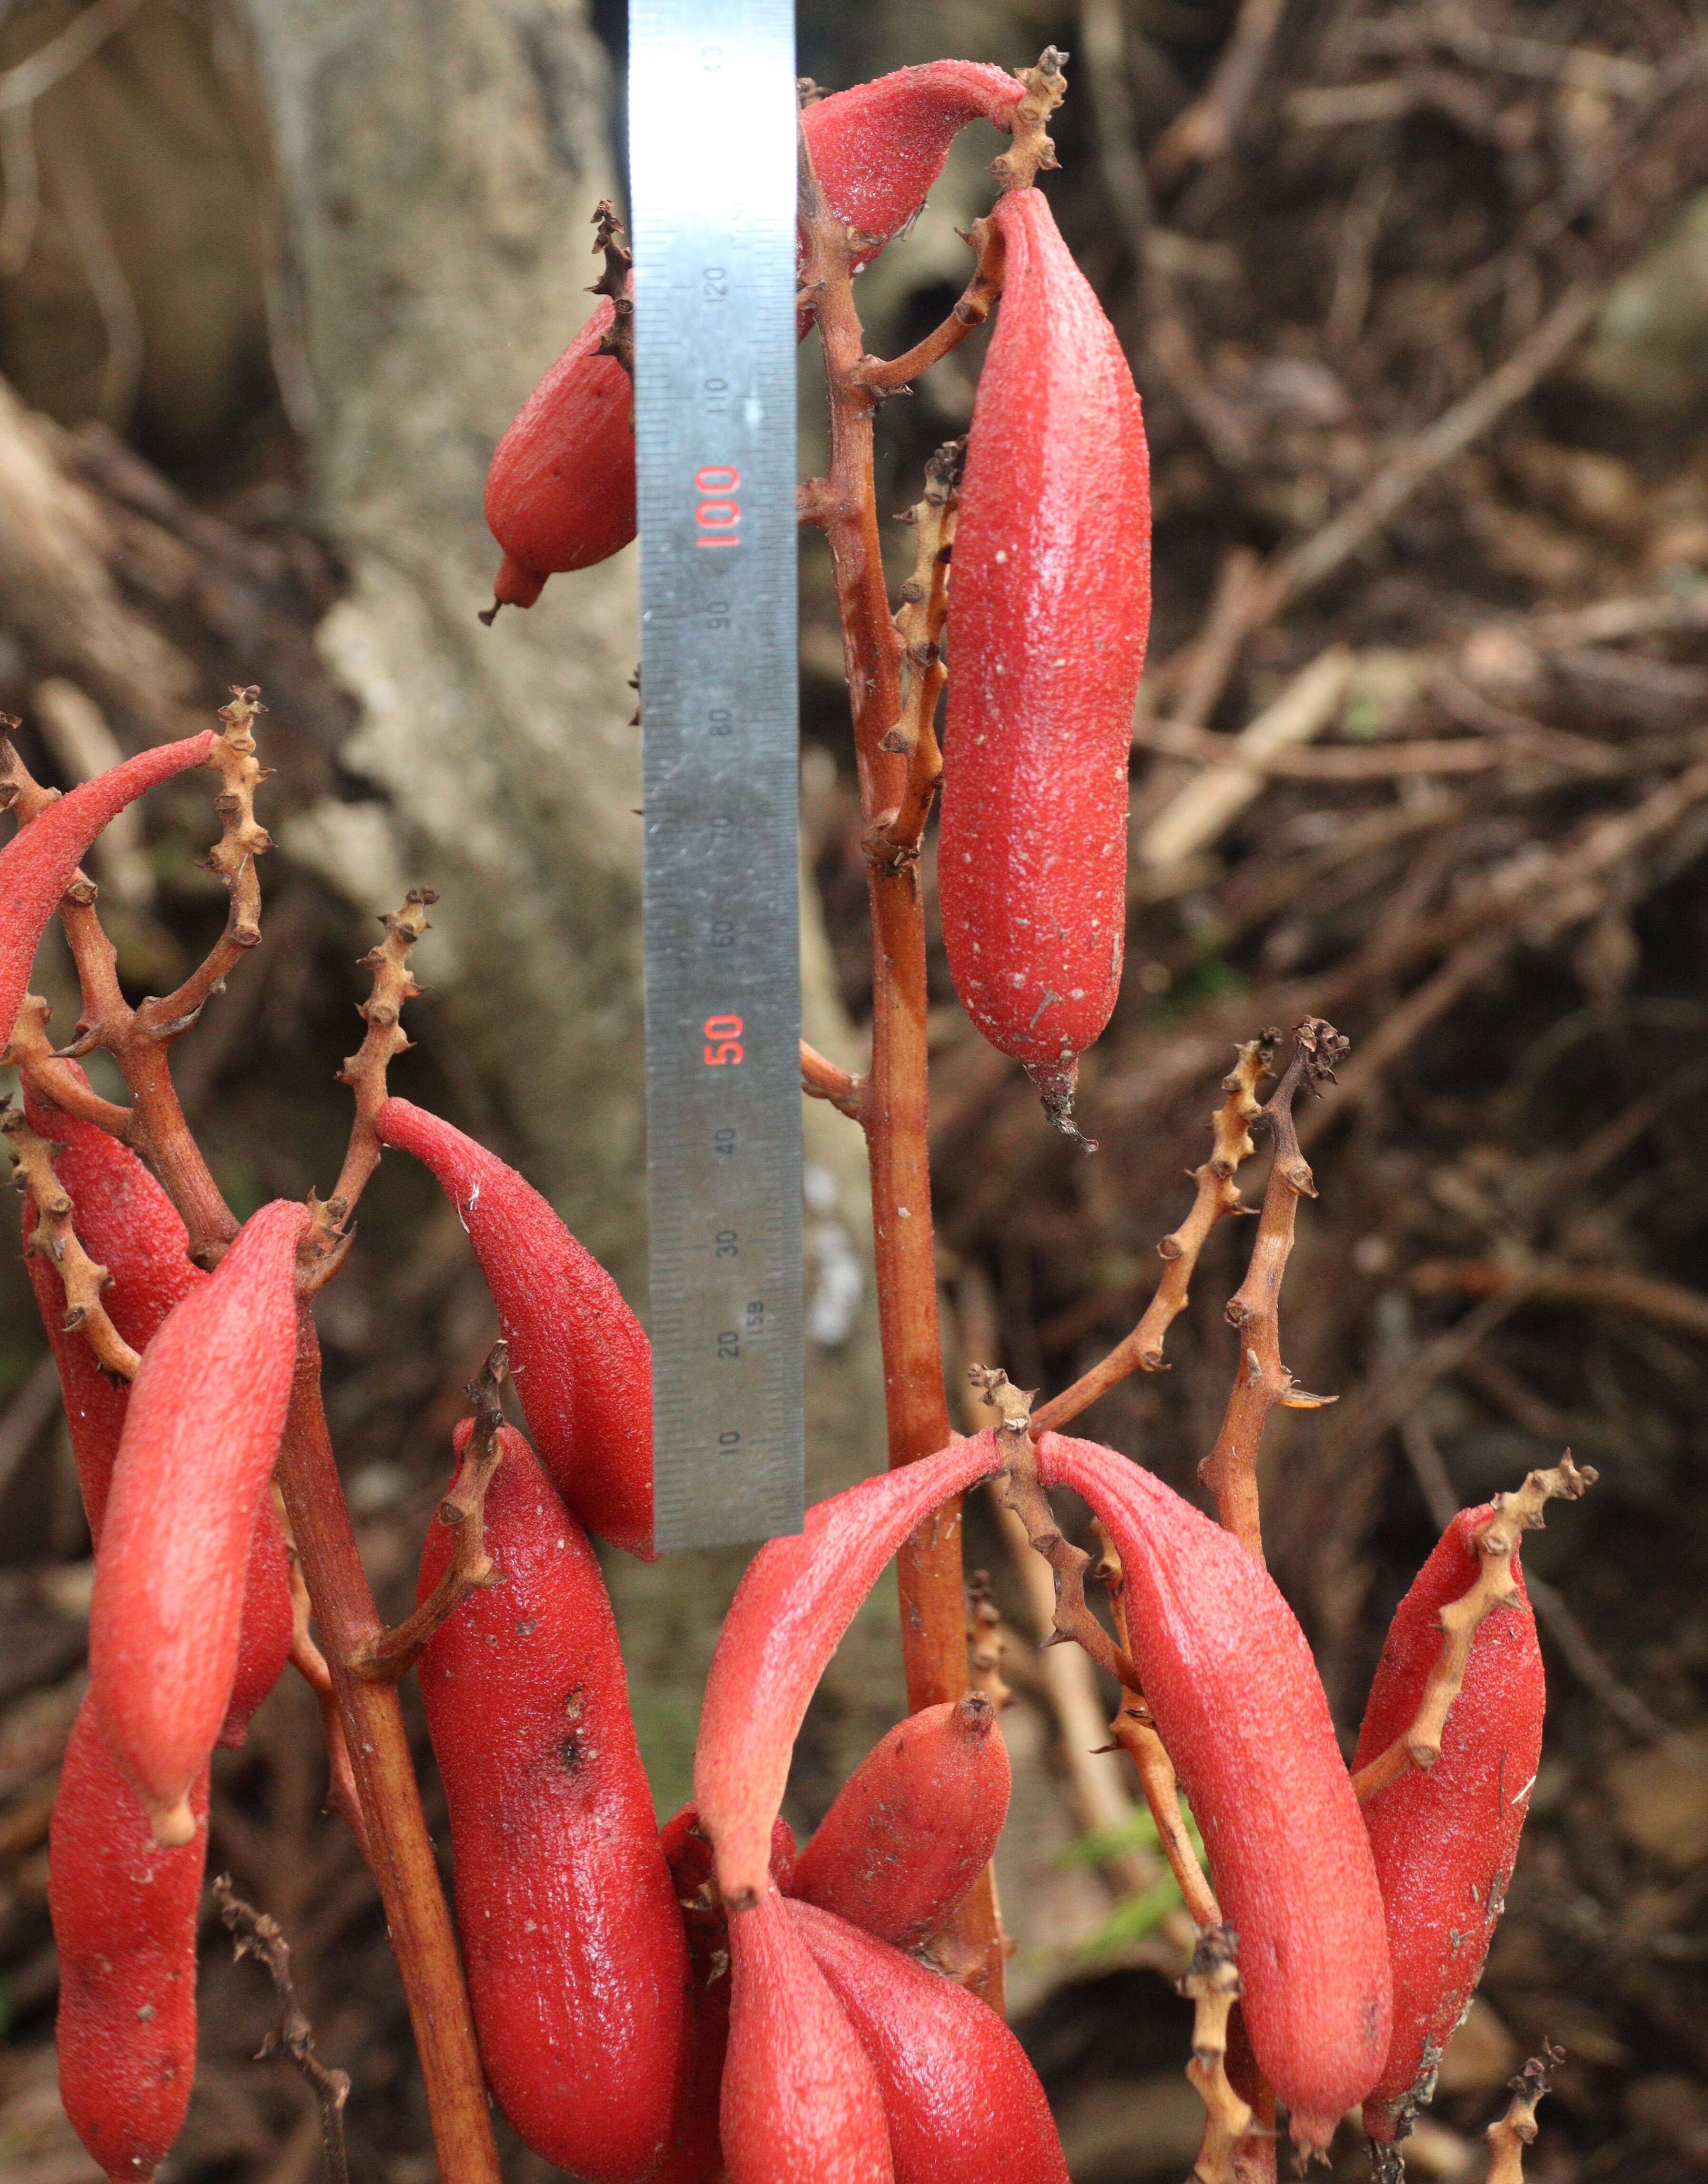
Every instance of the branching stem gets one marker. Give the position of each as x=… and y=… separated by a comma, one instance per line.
x=1260, y=1380
x=1217, y=1194
x=394, y=1652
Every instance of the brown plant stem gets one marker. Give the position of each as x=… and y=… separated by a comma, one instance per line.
x=821, y=1079
x=1510, y=2135
x=1212, y=1985
x=400, y=1853
x=882, y=375
x=893, y=1106
x=395, y=1652
x=54, y=1238
x=1260, y=1380
x=1495, y=1587
x=253, y=1934
x=364, y=1071
x=310, y=1664
x=1217, y=1194
x=1023, y=1492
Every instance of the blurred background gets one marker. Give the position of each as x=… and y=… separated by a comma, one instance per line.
x=1417, y=297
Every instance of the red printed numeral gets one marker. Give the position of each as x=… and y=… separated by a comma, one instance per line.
x=718, y=517
x=723, y=1040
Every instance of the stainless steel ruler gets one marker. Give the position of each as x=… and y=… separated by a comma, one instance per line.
x=712, y=121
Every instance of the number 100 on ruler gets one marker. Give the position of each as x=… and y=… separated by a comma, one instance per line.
x=712, y=150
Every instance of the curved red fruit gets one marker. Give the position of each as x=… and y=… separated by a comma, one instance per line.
x=36, y=865
x=573, y=1943
x=206, y=1413
x=126, y=1223
x=560, y=490
x=1445, y=1841
x=963, y=2104
x=877, y=148
x=1230, y=1678
x=579, y=1359
x=914, y=1826
x=124, y=1912
x=695, y=2154
x=790, y=1610
x=1049, y=609
x=801, y=2103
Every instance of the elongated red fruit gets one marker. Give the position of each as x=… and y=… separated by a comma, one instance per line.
x=560, y=490
x=571, y=1937
x=37, y=864
x=1237, y=1698
x=695, y=2154
x=126, y=1223
x=579, y=1359
x=206, y=1413
x=1048, y=610
x=801, y=2101
x=963, y=2104
x=790, y=1611
x=914, y=1826
x=1445, y=1841
x=878, y=147
x=124, y=1912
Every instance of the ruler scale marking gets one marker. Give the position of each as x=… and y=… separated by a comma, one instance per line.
x=712, y=153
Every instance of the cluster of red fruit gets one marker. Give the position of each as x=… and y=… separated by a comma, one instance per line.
x=674, y=2004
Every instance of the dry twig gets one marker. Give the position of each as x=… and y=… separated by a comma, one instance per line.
x=364, y=1071
x=1260, y=1380
x=1511, y=2133
x=1211, y=1984
x=1217, y=1194
x=54, y=1238
x=253, y=1934
x=1023, y=1491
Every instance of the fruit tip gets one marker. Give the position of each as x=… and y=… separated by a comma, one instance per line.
x=173, y=1825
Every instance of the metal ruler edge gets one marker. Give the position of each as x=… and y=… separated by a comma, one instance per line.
x=712, y=191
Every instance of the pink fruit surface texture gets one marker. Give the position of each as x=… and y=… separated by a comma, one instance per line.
x=124, y=1911
x=963, y=2104
x=914, y=1826
x=201, y=1432
x=37, y=864
x=801, y=2103
x=1237, y=1698
x=571, y=1936
x=1050, y=603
